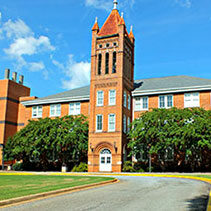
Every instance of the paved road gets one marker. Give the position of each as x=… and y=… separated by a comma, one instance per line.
x=131, y=193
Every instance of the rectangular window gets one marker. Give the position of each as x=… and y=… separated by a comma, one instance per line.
x=191, y=100
x=125, y=124
x=112, y=97
x=128, y=124
x=166, y=101
x=100, y=98
x=55, y=110
x=75, y=109
x=125, y=99
x=161, y=101
x=111, y=122
x=141, y=103
x=99, y=123
x=37, y=112
x=129, y=100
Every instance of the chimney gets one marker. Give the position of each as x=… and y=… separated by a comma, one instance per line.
x=14, y=76
x=21, y=77
x=7, y=74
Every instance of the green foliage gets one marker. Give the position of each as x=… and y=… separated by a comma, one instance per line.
x=186, y=131
x=18, y=167
x=49, y=141
x=82, y=167
x=127, y=167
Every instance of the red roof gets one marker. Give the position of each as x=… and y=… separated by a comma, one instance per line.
x=111, y=25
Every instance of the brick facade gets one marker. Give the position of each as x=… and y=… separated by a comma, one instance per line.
x=16, y=103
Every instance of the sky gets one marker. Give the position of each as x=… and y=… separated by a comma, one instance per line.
x=49, y=41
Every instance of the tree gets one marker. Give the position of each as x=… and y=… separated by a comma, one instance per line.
x=186, y=133
x=50, y=141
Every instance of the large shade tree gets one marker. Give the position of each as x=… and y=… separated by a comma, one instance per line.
x=179, y=138
x=61, y=141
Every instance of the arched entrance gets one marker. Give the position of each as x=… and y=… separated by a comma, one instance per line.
x=105, y=160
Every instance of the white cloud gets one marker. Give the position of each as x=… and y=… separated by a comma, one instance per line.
x=23, y=42
x=29, y=46
x=36, y=66
x=78, y=73
x=184, y=3
x=16, y=29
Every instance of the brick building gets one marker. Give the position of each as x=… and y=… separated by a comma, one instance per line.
x=111, y=102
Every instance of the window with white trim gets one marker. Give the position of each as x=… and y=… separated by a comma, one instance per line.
x=55, y=110
x=75, y=108
x=125, y=99
x=165, y=101
x=129, y=102
x=128, y=124
x=100, y=98
x=141, y=103
x=125, y=124
x=111, y=122
x=99, y=123
x=37, y=112
x=191, y=100
x=112, y=97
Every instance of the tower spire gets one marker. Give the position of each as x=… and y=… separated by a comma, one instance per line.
x=115, y=4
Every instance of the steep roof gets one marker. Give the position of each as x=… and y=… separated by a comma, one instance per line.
x=171, y=84
x=111, y=25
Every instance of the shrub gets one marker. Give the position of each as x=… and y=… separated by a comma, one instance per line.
x=18, y=167
x=128, y=167
x=82, y=167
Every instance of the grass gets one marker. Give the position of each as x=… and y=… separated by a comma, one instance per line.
x=12, y=186
x=203, y=176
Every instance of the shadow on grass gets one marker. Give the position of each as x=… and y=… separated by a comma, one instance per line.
x=198, y=203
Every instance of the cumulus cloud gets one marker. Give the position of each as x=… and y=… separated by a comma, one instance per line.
x=184, y=3
x=29, y=46
x=23, y=42
x=78, y=73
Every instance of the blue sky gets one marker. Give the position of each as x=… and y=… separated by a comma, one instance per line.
x=49, y=41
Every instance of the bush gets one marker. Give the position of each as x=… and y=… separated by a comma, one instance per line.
x=128, y=167
x=83, y=167
x=18, y=167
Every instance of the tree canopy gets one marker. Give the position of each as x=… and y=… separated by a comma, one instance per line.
x=182, y=136
x=50, y=141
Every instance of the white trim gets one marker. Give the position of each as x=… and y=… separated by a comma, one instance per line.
x=172, y=90
x=98, y=105
x=55, y=115
x=75, y=106
x=37, y=111
x=54, y=101
x=165, y=101
x=112, y=104
x=113, y=130
x=99, y=131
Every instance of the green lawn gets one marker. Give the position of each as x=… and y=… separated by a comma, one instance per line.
x=12, y=186
x=204, y=176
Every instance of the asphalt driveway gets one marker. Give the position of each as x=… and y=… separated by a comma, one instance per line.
x=131, y=193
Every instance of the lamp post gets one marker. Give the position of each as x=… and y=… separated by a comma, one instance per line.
x=2, y=146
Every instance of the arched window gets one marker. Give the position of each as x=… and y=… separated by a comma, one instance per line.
x=99, y=64
x=107, y=63
x=114, y=63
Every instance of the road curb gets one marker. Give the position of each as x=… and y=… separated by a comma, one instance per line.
x=52, y=193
